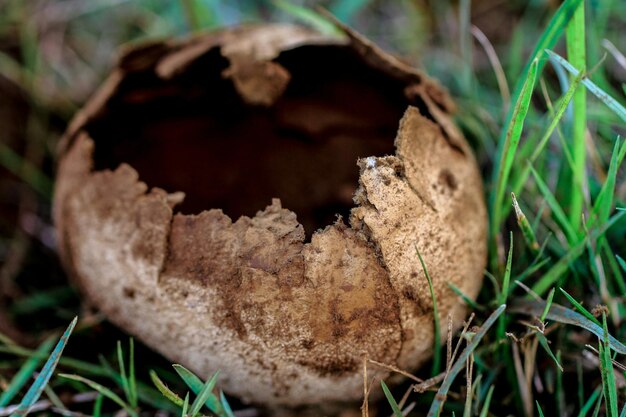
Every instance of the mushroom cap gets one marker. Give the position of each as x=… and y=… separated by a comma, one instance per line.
x=287, y=321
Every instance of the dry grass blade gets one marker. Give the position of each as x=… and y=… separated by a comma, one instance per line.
x=397, y=370
x=503, y=86
x=440, y=397
x=521, y=380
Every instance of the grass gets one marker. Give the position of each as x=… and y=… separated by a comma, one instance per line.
x=436, y=368
x=545, y=114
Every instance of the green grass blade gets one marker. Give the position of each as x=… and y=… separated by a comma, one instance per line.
x=546, y=309
x=122, y=367
x=549, y=37
x=473, y=304
x=196, y=385
x=596, y=411
x=618, y=275
x=203, y=395
x=185, y=409
x=575, y=35
x=506, y=280
x=539, y=410
x=97, y=406
x=611, y=103
x=163, y=389
x=547, y=40
x=590, y=402
x=530, y=271
x=392, y=402
x=606, y=368
x=580, y=307
x=22, y=376
x=485, y=410
x=555, y=207
x=525, y=227
x=437, y=404
x=509, y=146
x=42, y=299
x=561, y=266
x=518, y=183
x=621, y=261
x=605, y=199
x=506, y=283
x=145, y=393
x=189, y=378
x=225, y=405
x=35, y=390
x=566, y=316
x=132, y=380
x=102, y=390
x=546, y=346
x=437, y=330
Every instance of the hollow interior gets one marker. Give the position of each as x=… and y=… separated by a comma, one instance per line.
x=195, y=134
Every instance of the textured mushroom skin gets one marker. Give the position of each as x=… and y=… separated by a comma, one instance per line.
x=287, y=322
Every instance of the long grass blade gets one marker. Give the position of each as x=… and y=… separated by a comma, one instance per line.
x=580, y=307
x=35, y=390
x=203, y=395
x=595, y=395
x=563, y=103
x=510, y=143
x=226, y=406
x=163, y=389
x=539, y=410
x=576, y=51
x=120, y=360
x=185, y=409
x=106, y=392
x=132, y=380
x=22, y=376
x=565, y=315
x=392, y=402
x=467, y=300
x=546, y=309
x=613, y=104
x=437, y=342
x=605, y=199
x=547, y=40
x=546, y=346
x=606, y=369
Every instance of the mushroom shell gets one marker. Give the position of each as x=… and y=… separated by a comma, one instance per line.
x=288, y=322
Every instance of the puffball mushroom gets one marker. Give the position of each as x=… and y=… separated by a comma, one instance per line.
x=286, y=301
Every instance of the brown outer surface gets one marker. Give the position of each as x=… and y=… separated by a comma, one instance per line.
x=286, y=322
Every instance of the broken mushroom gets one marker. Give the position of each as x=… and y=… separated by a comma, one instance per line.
x=162, y=212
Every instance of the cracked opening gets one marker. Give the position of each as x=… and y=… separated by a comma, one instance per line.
x=195, y=134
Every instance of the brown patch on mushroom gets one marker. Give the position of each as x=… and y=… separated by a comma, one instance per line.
x=286, y=300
